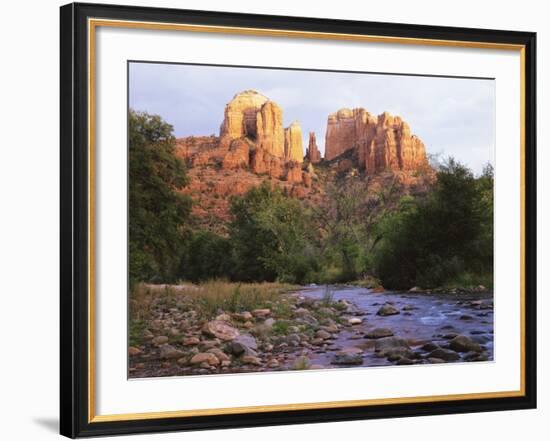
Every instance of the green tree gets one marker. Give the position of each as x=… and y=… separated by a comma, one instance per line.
x=207, y=256
x=270, y=237
x=347, y=219
x=431, y=240
x=157, y=211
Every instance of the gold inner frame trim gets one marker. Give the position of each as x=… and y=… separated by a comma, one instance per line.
x=92, y=25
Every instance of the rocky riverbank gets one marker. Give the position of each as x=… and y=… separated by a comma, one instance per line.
x=314, y=328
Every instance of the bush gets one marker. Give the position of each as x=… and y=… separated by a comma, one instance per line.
x=207, y=256
x=430, y=241
x=269, y=235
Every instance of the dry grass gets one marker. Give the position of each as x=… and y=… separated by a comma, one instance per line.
x=208, y=298
x=216, y=296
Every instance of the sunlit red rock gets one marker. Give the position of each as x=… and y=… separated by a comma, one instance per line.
x=381, y=143
x=294, y=150
x=313, y=155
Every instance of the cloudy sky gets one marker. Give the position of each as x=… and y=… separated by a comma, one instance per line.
x=453, y=116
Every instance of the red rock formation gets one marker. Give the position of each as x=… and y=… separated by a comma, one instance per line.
x=313, y=155
x=294, y=173
x=262, y=162
x=237, y=156
x=269, y=129
x=381, y=143
x=341, y=135
x=294, y=150
x=240, y=116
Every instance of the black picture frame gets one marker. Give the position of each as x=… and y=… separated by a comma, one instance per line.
x=74, y=270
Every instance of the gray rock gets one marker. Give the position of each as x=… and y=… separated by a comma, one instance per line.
x=160, y=340
x=322, y=334
x=444, y=354
x=243, y=344
x=387, y=343
x=348, y=356
x=168, y=352
x=461, y=343
x=387, y=309
x=379, y=333
x=430, y=346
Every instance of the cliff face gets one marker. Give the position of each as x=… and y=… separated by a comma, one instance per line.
x=294, y=150
x=381, y=143
x=269, y=129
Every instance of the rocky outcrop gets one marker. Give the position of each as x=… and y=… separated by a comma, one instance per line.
x=240, y=116
x=380, y=143
x=341, y=134
x=269, y=129
x=294, y=173
x=262, y=162
x=313, y=155
x=294, y=150
x=252, y=118
x=237, y=156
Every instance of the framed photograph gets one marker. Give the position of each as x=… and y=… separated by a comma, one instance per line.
x=275, y=220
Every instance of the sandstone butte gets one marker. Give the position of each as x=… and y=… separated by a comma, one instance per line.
x=253, y=144
x=380, y=143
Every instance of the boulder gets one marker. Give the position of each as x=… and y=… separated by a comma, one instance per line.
x=220, y=329
x=160, y=340
x=261, y=313
x=387, y=309
x=190, y=341
x=393, y=348
x=444, y=354
x=461, y=343
x=429, y=347
x=220, y=355
x=348, y=356
x=323, y=334
x=224, y=317
x=133, y=351
x=169, y=352
x=251, y=359
x=243, y=344
x=379, y=333
x=205, y=357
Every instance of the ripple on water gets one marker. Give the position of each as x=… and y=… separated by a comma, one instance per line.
x=433, y=319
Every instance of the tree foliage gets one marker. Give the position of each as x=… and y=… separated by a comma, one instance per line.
x=207, y=256
x=429, y=241
x=270, y=237
x=157, y=212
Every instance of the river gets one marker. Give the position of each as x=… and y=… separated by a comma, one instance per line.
x=422, y=318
